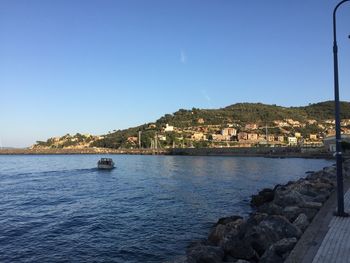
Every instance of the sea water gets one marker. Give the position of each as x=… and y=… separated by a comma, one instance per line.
x=60, y=208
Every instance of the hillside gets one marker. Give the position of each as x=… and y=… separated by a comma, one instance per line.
x=255, y=112
x=312, y=119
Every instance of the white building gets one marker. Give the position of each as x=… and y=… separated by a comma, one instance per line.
x=168, y=128
x=292, y=141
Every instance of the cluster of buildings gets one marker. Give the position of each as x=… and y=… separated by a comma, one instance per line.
x=286, y=132
x=279, y=133
x=68, y=141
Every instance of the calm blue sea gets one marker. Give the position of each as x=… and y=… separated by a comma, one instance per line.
x=62, y=209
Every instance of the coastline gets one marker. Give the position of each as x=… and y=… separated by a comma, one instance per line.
x=280, y=220
x=68, y=151
x=268, y=152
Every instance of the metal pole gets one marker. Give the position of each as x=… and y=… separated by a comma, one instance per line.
x=338, y=154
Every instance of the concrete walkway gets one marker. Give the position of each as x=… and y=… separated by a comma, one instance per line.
x=335, y=246
x=327, y=239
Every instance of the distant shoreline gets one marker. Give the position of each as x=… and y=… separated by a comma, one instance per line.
x=62, y=151
x=280, y=152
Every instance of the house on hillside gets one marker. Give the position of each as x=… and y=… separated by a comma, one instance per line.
x=229, y=132
x=198, y=136
x=311, y=122
x=281, y=124
x=293, y=123
x=161, y=137
x=329, y=121
x=297, y=134
x=345, y=122
x=292, y=141
x=220, y=137
x=253, y=136
x=200, y=121
x=242, y=136
x=280, y=138
x=330, y=132
x=132, y=139
x=168, y=128
x=251, y=126
x=313, y=137
x=270, y=138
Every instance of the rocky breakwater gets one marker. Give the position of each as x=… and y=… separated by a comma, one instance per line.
x=279, y=218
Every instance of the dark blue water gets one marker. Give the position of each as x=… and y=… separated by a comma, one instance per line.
x=62, y=209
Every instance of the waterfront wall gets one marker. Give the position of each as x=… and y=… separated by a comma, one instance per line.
x=255, y=151
x=81, y=151
x=277, y=152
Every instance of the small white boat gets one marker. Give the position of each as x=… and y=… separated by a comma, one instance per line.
x=105, y=164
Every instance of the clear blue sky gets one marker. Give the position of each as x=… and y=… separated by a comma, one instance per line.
x=86, y=66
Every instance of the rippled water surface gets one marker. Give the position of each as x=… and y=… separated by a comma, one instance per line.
x=61, y=208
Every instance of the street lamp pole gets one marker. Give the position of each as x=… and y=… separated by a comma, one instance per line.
x=338, y=154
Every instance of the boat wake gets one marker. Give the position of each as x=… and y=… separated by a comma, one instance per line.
x=60, y=172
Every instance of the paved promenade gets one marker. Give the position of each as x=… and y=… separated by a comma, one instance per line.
x=335, y=246
x=327, y=239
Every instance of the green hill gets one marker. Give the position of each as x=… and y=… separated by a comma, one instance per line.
x=237, y=115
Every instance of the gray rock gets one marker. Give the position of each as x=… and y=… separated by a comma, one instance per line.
x=253, y=220
x=301, y=222
x=309, y=212
x=270, y=209
x=281, y=226
x=256, y=218
x=286, y=197
x=269, y=231
x=264, y=196
x=321, y=198
x=305, y=188
x=226, y=220
x=219, y=232
x=201, y=253
x=236, y=248
x=320, y=184
x=278, y=251
x=284, y=245
x=315, y=205
x=291, y=212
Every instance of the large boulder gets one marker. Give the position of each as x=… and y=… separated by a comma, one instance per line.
x=309, y=212
x=284, y=196
x=304, y=187
x=255, y=219
x=270, y=209
x=202, y=253
x=269, y=231
x=321, y=198
x=301, y=222
x=237, y=248
x=278, y=252
x=264, y=196
x=291, y=212
x=229, y=219
x=225, y=226
x=315, y=205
